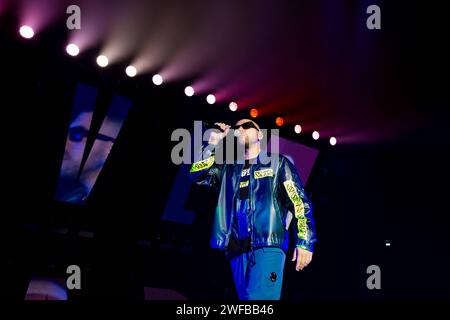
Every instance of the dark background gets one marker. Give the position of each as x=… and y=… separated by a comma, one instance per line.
x=364, y=194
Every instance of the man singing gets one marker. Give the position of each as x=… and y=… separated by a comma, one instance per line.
x=251, y=218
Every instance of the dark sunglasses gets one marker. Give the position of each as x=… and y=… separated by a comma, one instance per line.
x=77, y=134
x=246, y=125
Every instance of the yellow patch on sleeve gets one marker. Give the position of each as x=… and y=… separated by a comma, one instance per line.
x=202, y=165
x=263, y=173
x=299, y=208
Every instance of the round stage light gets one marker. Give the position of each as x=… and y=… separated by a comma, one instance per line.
x=333, y=141
x=189, y=91
x=315, y=135
x=131, y=71
x=253, y=113
x=233, y=106
x=279, y=121
x=102, y=61
x=72, y=50
x=211, y=99
x=26, y=31
x=157, y=79
x=298, y=128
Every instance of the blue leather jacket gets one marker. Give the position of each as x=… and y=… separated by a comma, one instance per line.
x=275, y=188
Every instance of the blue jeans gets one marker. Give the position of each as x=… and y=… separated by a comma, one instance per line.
x=258, y=275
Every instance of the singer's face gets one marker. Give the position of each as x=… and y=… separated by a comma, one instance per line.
x=248, y=136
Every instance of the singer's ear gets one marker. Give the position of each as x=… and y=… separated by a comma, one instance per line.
x=260, y=135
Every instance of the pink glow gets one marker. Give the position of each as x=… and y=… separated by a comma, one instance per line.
x=40, y=14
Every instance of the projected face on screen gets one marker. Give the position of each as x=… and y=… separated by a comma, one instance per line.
x=81, y=163
x=75, y=144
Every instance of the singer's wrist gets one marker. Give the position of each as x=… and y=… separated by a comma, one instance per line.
x=213, y=140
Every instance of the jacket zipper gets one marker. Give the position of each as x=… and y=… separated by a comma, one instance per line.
x=252, y=222
x=227, y=240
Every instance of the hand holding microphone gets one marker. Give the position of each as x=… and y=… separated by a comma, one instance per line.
x=216, y=137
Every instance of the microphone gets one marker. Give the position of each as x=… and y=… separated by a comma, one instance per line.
x=210, y=125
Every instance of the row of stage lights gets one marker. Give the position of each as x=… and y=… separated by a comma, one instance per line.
x=73, y=50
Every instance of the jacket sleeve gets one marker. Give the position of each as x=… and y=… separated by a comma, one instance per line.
x=296, y=200
x=205, y=171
